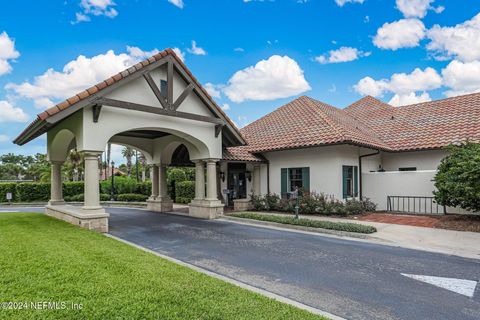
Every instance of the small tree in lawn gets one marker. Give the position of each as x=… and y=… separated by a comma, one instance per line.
x=458, y=178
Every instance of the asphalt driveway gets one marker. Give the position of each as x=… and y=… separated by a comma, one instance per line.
x=351, y=279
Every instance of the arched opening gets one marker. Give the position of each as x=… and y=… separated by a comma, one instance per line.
x=181, y=157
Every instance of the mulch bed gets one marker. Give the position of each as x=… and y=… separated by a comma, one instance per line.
x=451, y=222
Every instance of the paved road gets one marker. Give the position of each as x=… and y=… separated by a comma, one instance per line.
x=351, y=279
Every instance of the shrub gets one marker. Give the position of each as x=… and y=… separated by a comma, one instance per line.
x=73, y=188
x=7, y=187
x=184, y=191
x=144, y=188
x=32, y=191
x=339, y=226
x=131, y=197
x=458, y=176
x=312, y=203
x=122, y=185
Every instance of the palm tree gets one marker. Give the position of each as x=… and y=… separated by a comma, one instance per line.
x=143, y=161
x=128, y=153
x=75, y=159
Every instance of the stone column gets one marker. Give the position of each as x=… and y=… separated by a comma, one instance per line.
x=92, y=190
x=154, y=182
x=162, y=176
x=256, y=180
x=199, y=180
x=211, y=180
x=56, y=192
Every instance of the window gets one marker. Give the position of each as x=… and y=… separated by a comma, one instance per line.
x=163, y=88
x=350, y=181
x=295, y=177
x=407, y=169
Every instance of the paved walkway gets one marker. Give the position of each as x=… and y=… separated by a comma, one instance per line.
x=459, y=243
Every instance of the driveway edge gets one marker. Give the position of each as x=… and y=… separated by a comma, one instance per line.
x=233, y=281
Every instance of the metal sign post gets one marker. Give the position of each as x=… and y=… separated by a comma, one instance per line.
x=9, y=197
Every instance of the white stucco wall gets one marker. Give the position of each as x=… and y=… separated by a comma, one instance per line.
x=325, y=166
x=422, y=160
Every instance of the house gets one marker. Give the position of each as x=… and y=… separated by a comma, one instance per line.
x=369, y=149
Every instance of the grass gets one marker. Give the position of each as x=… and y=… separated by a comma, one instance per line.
x=43, y=259
x=339, y=226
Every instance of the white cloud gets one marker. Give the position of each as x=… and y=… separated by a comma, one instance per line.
x=196, y=50
x=213, y=89
x=461, y=41
x=179, y=53
x=410, y=98
x=177, y=3
x=95, y=8
x=344, y=54
x=404, y=33
x=4, y=138
x=10, y=113
x=76, y=75
x=341, y=3
x=276, y=77
x=461, y=77
x=7, y=53
x=239, y=49
x=403, y=85
x=225, y=107
x=416, y=8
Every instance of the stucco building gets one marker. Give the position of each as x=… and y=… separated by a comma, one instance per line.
x=369, y=149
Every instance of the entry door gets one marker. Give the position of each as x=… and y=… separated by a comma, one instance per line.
x=237, y=183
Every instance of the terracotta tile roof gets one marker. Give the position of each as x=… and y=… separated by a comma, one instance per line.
x=115, y=78
x=306, y=122
x=241, y=153
x=428, y=125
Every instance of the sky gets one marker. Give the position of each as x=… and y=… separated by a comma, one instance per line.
x=252, y=56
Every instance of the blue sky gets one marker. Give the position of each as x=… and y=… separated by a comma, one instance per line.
x=253, y=56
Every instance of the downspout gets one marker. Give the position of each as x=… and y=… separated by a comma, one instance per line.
x=360, y=170
x=268, y=177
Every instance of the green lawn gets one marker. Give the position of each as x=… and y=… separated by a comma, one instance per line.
x=43, y=259
x=289, y=219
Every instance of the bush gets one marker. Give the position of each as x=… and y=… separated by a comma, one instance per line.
x=184, y=191
x=80, y=197
x=122, y=185
x=131, y=197
x=458, y=178
x=339, y=226
x=73, y=188
x=32, y=191
x=312, y=203
x=7, y=187
x=144, y=188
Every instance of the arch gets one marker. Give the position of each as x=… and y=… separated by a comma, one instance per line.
x=59, y=144
x=181, y=157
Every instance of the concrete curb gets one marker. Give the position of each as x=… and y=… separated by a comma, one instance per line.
x=237, y=283
x=299, y=228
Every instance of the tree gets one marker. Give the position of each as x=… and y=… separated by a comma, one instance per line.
x=128, y=153
x=143, y=162
x=458, y=178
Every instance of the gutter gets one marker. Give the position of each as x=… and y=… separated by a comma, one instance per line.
x=360, y=171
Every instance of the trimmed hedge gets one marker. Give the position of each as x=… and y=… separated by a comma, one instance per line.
x=80, y=197
x=131, y=197
x=5, y=188
x=184, y=191
x=32, y=191
x=338, y=226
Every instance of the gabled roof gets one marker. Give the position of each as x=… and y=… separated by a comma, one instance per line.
x=46, y=119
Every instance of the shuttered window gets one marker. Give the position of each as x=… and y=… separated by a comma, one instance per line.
x=295, y=177
x=350, y=181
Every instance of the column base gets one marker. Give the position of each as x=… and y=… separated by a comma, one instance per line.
x=242, y=205
x=205, y=209
x=160, y=205
x=96, y=220
x=56, y=202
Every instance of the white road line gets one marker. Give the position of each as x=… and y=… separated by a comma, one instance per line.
x=234, y=282
x=461, y=286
